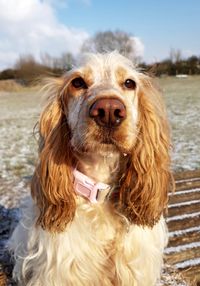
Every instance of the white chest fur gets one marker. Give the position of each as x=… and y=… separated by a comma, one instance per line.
x=95, y=249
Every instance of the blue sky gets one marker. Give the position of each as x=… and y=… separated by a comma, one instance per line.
x=160, y=24
x=58, y=26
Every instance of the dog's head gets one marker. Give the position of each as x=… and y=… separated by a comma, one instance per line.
x=103, y=106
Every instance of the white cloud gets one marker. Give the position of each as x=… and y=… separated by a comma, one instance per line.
x=139, y=47
x=31, y=27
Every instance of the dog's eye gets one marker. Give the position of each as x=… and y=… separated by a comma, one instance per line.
x=79, y=83
x=130, y=84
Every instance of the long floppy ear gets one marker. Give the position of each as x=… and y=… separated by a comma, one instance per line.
x=52, y=183
x=144, y=191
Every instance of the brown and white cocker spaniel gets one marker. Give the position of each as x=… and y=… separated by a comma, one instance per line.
x=101, y=184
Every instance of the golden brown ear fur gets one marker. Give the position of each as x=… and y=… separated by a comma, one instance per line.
x=52, y=183
x=144, y=191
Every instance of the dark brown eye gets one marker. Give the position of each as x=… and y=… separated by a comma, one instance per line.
x=130, y=84
x=79, y=83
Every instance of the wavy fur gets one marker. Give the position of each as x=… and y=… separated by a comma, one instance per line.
x=144, y=192
x=63, y=239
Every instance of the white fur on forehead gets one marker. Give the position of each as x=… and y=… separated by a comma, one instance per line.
x=110, y=59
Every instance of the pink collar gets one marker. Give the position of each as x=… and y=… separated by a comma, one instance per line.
x=87, y=187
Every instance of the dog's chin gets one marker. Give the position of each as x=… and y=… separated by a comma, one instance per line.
x=104, y=147
x=119, y=146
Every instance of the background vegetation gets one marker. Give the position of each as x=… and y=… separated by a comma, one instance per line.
x=27, y=69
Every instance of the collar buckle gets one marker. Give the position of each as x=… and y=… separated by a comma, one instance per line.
x=88, y=188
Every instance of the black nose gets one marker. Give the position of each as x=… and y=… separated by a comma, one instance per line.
x=108, y=112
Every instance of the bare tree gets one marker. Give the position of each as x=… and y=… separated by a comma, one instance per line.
x=175, y=55
x=28, y=69
x=64, y=62
x=108, y=41
x=46, y=60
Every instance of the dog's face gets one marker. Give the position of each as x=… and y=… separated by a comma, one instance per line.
x=105, y=106
x=102, y=105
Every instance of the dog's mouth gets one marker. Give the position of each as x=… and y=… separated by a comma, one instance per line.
x=102, y=140
x=108, y=141
x=107, y=137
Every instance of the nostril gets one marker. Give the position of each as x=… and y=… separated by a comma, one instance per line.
x=93, y=112
x=101, y=112
x=96, y=112
x=119, y=113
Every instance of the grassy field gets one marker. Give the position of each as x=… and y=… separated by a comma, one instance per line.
x=182, y=97
x=19, y=112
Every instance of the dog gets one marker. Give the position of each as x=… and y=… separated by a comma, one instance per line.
x=101, y=184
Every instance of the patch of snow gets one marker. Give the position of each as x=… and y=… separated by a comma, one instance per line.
x=185, y=192
x=180, y=248
x=181, y=75
x=188, y=263
x=188, y=180
x=180, y=217
x=188, y=203
x=184, y=231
